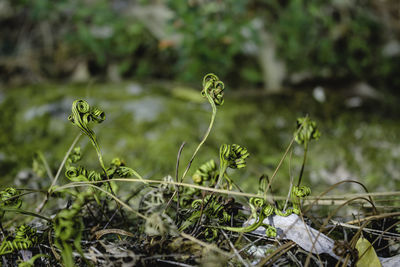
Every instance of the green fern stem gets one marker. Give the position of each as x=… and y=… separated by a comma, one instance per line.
x=213, y=91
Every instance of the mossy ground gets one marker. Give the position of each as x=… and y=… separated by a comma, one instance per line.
x=146, y=124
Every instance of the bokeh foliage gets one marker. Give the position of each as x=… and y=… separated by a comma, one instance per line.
x=334, y=40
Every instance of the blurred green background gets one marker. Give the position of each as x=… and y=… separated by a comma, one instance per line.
x=142, y=62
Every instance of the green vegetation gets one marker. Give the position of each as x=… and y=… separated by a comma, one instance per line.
x=317, y=40
x=172, y=220
x=242, y=172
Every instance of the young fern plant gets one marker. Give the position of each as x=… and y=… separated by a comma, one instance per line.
x=68, y=227
x=82, y=114
x=213, y=90
x=260, y=209
x=9, y=197
x=233, y=156
x=25, y=238
x=307, y=131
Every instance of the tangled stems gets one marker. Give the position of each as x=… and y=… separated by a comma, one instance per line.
x=31, y=261
x=213, y=89
x=261, y=209
x=211, y=207
x=81, y=174
x=296, y=195
x=265, y=211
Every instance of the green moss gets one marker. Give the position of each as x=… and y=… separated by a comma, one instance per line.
x=146, y=130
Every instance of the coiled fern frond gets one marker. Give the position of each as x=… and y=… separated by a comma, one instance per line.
x=205, y=172
x=233, y=156
x=25, y=238
x=213, y=88
x=307, y=130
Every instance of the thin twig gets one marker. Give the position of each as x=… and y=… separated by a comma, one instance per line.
x=46, y=198
x=214, y=113
x=279, y=165
x=203, y=244
x=46, y=165
x=175, y=263
x=64, y=160
x=291, y=182
x=73, y=185
x=234, y=249
x=177, y=180
x=210, y=189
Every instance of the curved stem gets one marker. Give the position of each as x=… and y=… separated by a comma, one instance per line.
x=50, y=190
x=63, y=162
x=100, y=157
x=281, y=161
x=25, y=212
x=222, y=170
x=246, y=229
x=214, y=112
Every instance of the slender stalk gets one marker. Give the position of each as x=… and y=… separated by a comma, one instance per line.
x=129, y=180
x=64, y=160
x=121, y=203
x=214, y=113
x=279, y=166
x=100, y=157
x=291, y=182
x=49, y=192
x=304, y=162
x=222, y=170
x=46, y=165
x=178, y=157
x=282, y=159
x=25, y=212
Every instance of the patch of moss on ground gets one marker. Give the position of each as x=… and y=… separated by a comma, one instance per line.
x=146, y=128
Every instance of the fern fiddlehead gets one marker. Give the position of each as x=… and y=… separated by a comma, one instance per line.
x=233, y=156
x=9, y=197
x=82, y=114
x=206, y=172
x=306, y=131
x=260, y=209
x=25, y=238
x=298, y=193
x=213, y=89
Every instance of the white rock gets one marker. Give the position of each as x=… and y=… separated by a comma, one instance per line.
x=293, y=228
